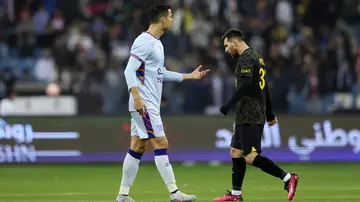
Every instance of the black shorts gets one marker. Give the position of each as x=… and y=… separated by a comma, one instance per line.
x=247, y=137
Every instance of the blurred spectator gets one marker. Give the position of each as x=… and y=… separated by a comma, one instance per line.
x=284, y=13
x=311, y=48
x=201, y=31
x=345, y=62
x=326, y=74
x=40, y=20
x=63, y=58
x=79, y=41
x=45, y=68
x=232, y=14
x=57, y=22
x=26, y=39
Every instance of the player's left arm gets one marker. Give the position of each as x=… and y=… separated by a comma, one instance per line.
x=270, y=116
x=247, y=74
x=269, y=112
x=175, y=76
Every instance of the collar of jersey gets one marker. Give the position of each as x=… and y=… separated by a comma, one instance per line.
x=152, y=35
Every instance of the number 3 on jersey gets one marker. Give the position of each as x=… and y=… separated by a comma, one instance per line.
x=262, y=78
x=262, y=73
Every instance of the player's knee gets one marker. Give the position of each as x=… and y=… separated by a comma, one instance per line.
x=139, y=148
x=138, y=145
x=236, y=153
x=250, y=158
x=159, y=143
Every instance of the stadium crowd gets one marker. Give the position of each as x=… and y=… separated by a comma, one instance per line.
x=311, y=49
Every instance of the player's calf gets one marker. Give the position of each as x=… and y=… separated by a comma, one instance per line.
x=160, y=145
x=268, y=166
x=165, y=169
x=131, y=167
x=238, y=174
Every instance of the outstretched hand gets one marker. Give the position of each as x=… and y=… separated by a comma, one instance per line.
x=198, y=73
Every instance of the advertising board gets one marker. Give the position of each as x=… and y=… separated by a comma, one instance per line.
x=191, y=138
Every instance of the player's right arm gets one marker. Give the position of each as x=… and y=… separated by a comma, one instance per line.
x=138, y=54
x=246, y=72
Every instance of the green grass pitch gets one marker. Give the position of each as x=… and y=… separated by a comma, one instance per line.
x=319, y=182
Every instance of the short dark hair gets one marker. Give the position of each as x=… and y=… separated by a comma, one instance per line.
x=233, y=33
x=158, y=10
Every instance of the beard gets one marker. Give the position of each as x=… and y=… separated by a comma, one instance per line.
x=235, y=55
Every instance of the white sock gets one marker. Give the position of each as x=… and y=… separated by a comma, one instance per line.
x=130, y=169
x=165, y=169
x=287, y=177
x=235, y=192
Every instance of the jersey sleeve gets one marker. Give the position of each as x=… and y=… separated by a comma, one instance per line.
x=141, y=49
x=173, y=76
x=246, y=71
x=135, y=68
